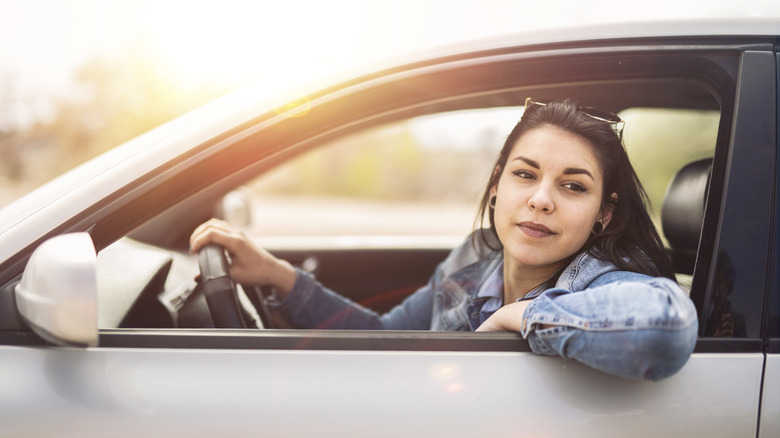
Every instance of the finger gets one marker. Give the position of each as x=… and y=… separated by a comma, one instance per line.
x=487, y=326
x=196, y=236
x=213, y=231
x=211, y=223
x=219, y=237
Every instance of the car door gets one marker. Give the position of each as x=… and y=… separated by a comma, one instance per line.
x=356, y=383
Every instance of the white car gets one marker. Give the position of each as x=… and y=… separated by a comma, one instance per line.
x=104, y=332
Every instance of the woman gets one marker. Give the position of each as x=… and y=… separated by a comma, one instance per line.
x=571, y=260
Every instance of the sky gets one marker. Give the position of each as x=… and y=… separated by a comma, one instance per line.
x=42, y=42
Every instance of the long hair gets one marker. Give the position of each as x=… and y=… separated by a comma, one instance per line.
x=630, y=241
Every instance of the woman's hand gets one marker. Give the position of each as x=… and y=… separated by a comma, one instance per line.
x=249, y=264
x=508, y=318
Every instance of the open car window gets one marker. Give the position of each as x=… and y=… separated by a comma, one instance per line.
x=372, y=213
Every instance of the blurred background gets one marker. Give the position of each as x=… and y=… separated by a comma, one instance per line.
x=78, y=77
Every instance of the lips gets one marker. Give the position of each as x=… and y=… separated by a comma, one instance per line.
x=535, y=230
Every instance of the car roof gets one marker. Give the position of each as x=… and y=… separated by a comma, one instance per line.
x=654, y=28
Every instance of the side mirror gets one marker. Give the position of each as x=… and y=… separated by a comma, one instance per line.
x=57, y=296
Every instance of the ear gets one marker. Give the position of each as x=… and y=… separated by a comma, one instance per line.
x=606, y=213
x=495, y=177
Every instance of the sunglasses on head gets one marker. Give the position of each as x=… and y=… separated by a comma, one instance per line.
x=593, y=113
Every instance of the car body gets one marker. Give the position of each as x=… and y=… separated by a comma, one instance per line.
x=151, y=370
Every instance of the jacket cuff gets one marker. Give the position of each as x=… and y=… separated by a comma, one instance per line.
x=299, y=295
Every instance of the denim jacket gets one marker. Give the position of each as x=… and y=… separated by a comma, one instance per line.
x=625, y=323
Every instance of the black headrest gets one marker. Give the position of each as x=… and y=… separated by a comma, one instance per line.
x=682, y=213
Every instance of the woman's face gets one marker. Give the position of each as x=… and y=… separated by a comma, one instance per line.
x=548, y=198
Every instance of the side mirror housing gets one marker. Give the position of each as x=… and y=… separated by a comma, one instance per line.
x=57, y=296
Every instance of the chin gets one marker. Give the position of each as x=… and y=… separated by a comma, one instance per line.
x=530, y=257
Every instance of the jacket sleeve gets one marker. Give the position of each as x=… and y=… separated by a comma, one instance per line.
x=311, y=305
x=631, y=326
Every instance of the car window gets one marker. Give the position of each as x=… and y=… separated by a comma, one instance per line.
x=416, y=184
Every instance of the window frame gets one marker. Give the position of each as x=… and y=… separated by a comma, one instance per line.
x=726, y=81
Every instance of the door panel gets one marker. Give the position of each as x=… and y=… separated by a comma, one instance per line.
x=164, y=392
x=770, y=399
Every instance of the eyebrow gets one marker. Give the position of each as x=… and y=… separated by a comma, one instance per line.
x=566, y=171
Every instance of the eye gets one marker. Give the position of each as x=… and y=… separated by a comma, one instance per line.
x=524, y=174
x=575, y=187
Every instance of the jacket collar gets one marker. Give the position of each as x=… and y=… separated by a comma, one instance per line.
x=576, y=276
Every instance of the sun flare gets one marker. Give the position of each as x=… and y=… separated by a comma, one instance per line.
x=260, y=42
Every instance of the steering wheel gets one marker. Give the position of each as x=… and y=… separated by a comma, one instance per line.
x=222, y=294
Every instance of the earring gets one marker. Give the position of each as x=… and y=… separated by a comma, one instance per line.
x=492, y=201
x=598, y=227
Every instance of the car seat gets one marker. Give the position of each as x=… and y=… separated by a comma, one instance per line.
x=682, y=212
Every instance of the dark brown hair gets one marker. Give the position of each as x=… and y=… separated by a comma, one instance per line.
x=630, y=241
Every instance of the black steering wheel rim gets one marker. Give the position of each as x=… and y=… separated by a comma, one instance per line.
x=223, y=296
x=220, y=290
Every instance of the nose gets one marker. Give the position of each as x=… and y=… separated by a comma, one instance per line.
x=541, y=199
